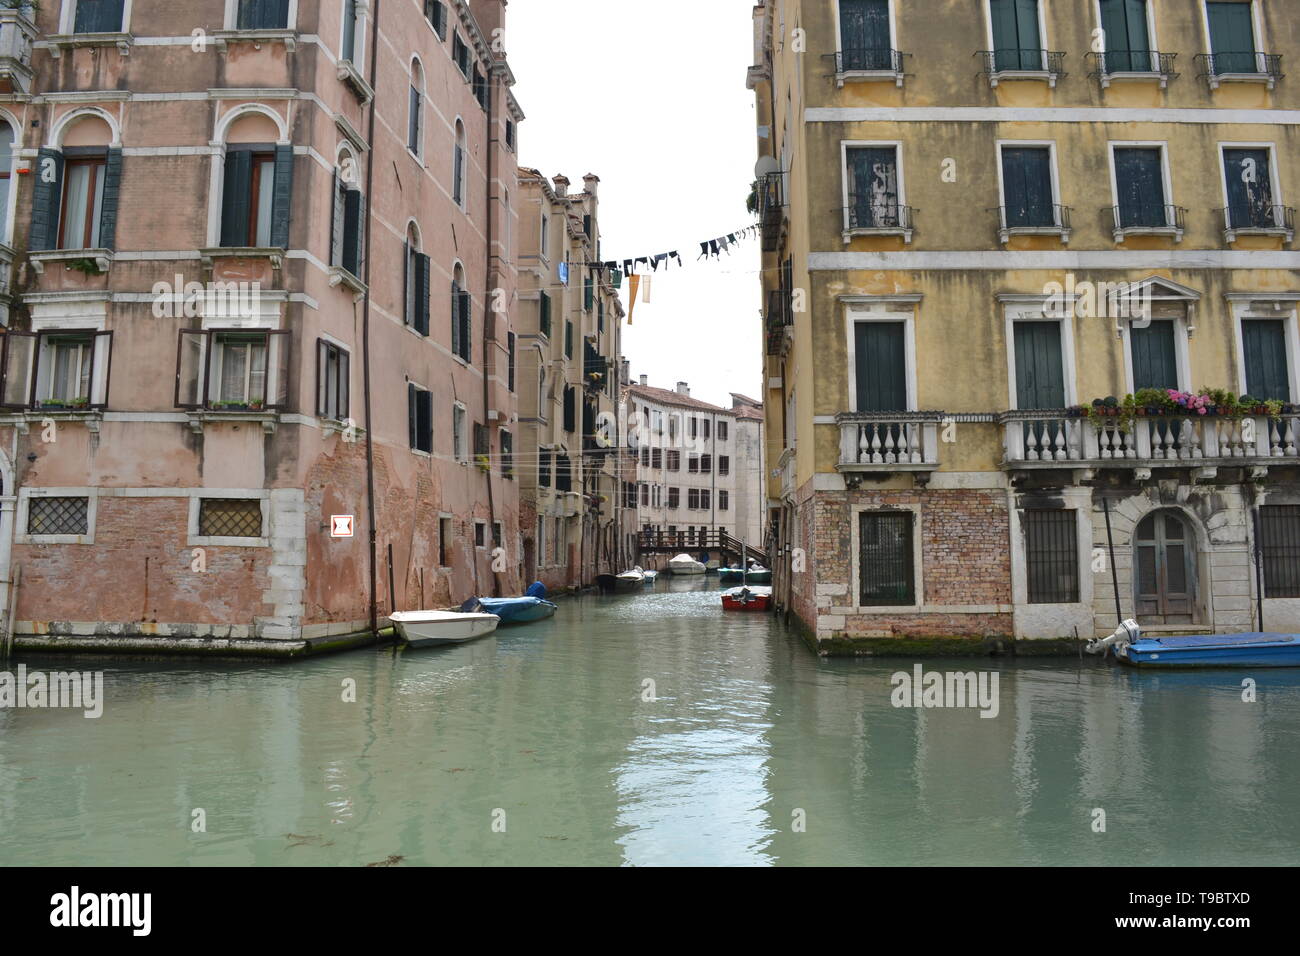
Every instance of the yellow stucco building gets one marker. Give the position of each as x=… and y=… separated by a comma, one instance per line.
x=982, y=217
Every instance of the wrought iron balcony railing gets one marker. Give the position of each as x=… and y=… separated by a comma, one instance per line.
x=875, y=63
x=1240, y=67
x=771, y=210
x=778, y=319
x=1147, y=219
x=890, y=219
x=1257, y=221
x=1050, y=219
x=1017, y=64
x=885, y=441
x=1133, y=65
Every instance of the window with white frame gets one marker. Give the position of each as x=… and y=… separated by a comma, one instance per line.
x=458, y=169
x=230, y=518
x=262, y=15
x=1251, y=189
x=460, y=432
x=56, y=369
x=1028, y=182
x=58, y=515
x=415, y=111
x=435, y=11
x=353, y=44
x=98, y=16
x=1142, y=195
x=233, y=369
x=419, y=413
x=873, y=185
x=347, y=232
x=332, y=363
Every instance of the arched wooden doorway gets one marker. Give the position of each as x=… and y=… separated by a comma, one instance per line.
x=1165, y=569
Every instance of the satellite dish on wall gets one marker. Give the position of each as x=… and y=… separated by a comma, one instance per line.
x=766, y=166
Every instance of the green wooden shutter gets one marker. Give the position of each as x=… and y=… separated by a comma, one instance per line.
x=545, y=314
x=568, y=339
x=880, y=363
x=109, y=206
x=1250, y=187
x=424, y=420
x=282, y=197
x=588, y=293
x=1006, y=37
x=47, y=193
x=1264, y=342
x=1127, y=37
x=422, y=275
x=873, y=187
x=1139, y=182
x=864, y=34
x=263, y=14
x=466, y=326
x=1027, y=186
x=410, y=413
x=1040, y=372
x=1154, y=360
x=236, y=198
x=1232, y=37
x=98, y=16
x=1028, y=36
x=353, y=234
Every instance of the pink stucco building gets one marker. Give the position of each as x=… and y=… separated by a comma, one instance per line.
x=260, y=268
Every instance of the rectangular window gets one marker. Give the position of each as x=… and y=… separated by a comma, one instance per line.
x=435, y=11
x=480, y=534
x=331, y=381
x=1017, y=42
x=1279, y=527
x=1263, y=344
x=706, y=464
x=58, y=515
x=1128, y=41
x=570, y=409
x=348, y=48
x=347, y=228
x=1140, y=187
x=723, y=431
x=262, y=15
x=419, y=411
x=693, y=499
x=56, y=369
x=707, y=425
x=693, y=464
x=233, y=369
x=563, y=473
x=874, y=196
x=705, y=501
x=460, y=432
x=230, y=518
x=645, y=496
x=1027, y=186
x=444, y=542
x=415, y=120
x=510, y=360
x=674, y=461
x=1052, y=556
x=83, y=202
x=540, y=543
x=724, y=500
x=544, y=314
x=507, y=454
x=645, y=457
x=481, y=89
x=657, y=458
x=724, y=465
x=1154, y=355
x=460, y=53
x=693, y=429
x=481, y=441
x=99, y=16
x=510, y=135
x=886, y=576
x=239, y=376
x=255, y=200
x=864, y=35
x=1251, y=201
x=498, y=534
x=674, y=497
x=544, y=468
x=462, y=323
x=417, y=278
x=1232, y=37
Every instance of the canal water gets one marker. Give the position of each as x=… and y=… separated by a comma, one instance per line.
x=548, y=745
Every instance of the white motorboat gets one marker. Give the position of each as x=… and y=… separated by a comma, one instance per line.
x=685, y=564
x=629, y=580
x=432, y=628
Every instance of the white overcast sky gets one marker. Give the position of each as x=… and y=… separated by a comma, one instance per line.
x=652, y=99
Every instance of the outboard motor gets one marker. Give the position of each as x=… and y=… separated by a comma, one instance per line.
x=472, y=606
x=1127, y=633
x=538, y=590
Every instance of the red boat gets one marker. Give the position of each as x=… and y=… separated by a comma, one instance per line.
x=751, y=598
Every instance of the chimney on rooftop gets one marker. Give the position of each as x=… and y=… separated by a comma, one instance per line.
x=645, y=379
x=591, y=180
x=561, y=185
x=683, y=389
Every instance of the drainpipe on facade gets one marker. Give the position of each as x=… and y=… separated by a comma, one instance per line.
x=365, y=335
x=487, y=306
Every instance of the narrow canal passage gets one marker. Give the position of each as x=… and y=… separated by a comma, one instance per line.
x=547, y=731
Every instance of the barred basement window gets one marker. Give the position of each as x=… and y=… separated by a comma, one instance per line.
x=230, y=518
x=885, y=572
x=1280, y=540
x=58, y=516
x=1052, y=556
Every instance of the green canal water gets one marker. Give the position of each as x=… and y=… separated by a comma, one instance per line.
x=752, y=751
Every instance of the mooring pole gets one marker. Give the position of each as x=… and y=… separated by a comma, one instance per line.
x=1259, y=568
x=1110, y=547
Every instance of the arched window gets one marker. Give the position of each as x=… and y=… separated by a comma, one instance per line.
x=256, y=185
x=74, y=197
x=415, y=115
x=416, y=283
x=348, y=232
x=458, y=190
x=461, y=314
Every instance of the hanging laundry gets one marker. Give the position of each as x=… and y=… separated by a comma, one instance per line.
x=645, y=290
x=633, y=282
x=616, y=278
x=674, y=255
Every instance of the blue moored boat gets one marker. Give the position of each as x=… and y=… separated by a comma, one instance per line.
x=1206, y=650
x=517, y=610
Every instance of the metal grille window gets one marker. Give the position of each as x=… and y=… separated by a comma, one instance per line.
x=230, y=518
x=1279, y=533
x=885, y=572
x=1052, y=556
x=58, y=516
